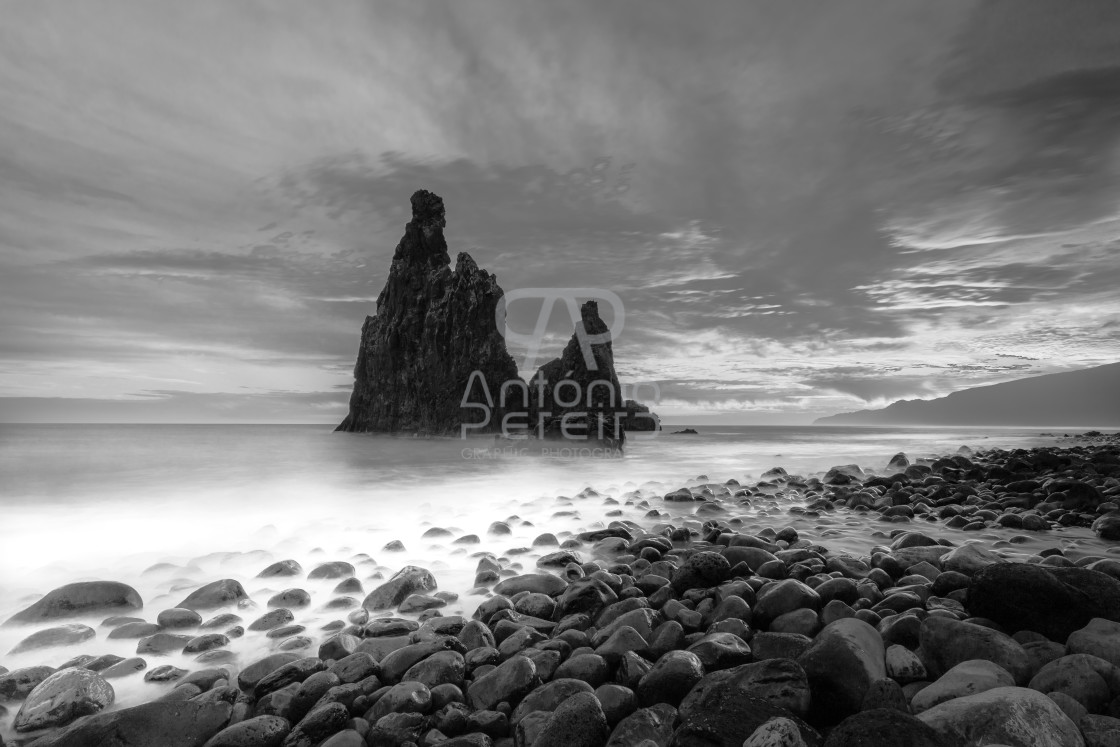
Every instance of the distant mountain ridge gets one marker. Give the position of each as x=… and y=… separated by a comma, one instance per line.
x=1089, y=397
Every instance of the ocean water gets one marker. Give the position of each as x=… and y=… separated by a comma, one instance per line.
x=167, y=508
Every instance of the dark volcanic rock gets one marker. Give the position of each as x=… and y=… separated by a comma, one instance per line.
x=725, y=717
x=406, y=581
x=166, y=723
x=434, y=326
x=215, y=594
x=884, y=727
x=582, y=386
x=82, y=598
x=1048, y=600
x=63, y=697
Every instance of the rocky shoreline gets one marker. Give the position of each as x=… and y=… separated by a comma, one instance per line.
x=710, y=614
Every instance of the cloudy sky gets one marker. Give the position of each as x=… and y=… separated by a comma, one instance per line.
x=805, y=208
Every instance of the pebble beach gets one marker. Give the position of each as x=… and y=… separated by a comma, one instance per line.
x=968, y=599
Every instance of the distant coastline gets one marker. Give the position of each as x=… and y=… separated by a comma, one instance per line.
x=1073, y=400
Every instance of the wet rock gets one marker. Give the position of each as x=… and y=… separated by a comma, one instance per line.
x=1107, y=526
x=61, y=635
x=206, y=642
x=318, y=725
x=969, y=558
x=82, y=598
x=162, y=643
x=1100, y=731
x=780, y=682
x=886, y=693
x=591, y=668
x=579, y=721
x=721, y=651
x=222, y=593
x=284, y=675
x=967, y=678
x=272, y=619
x=62, y=697
x=409, y=580
x=333, y=569
x=1014, y=716
x=783, y=596
x=585, y=596
x=134, y=630
x=395, y=664
x=777, y=732
x=163, y=723
x=884, y=727
x=727, y=717
x=281, y=568
x=124, y=667
x=844, y=659
x=768, y=645
x=415, y=603
x=164, y=673
x=248, y=677
x=904, y=666
x=441, y=668
x=1087, y=679
x=672, y=677
x=18, y=683
x=617, y=701
x=701, y=570
x=405, y=697
x=1048, y=600
x=645, y=725
x=290, y=599
x=548, y=696
x=509, y=682
x=178, y=617
x=1099, y=638
x=338, y=646
x=260, y=731
x=946, y=642
x=539, y=583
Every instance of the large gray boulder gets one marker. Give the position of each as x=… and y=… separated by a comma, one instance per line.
x=81, y=598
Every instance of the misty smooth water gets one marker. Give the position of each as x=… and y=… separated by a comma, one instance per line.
x=166, y=508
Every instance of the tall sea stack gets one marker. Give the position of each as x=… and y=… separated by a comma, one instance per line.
x=432, y=339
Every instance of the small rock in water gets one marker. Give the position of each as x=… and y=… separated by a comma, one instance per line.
x=290, y=598
x=82, y=598
x=61, y=635
x=409, y=580
x=177, y=617
x=281, y=568
x=333, y=569
x=221, y=593
x=16, y=685
x=63, y=697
